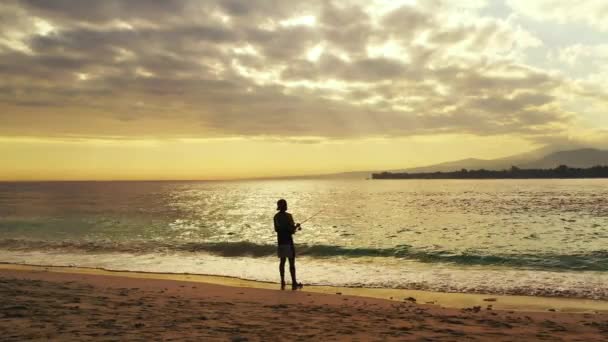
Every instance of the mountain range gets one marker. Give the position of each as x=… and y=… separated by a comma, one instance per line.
x=544, y=158
x=580, y=158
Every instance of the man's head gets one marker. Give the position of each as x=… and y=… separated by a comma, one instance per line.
x=282, y=205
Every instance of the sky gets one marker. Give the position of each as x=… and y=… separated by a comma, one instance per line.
x=224, y=89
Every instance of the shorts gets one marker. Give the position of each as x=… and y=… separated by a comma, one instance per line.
x=286, y=251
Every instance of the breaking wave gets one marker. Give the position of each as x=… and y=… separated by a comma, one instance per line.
x=590, y=261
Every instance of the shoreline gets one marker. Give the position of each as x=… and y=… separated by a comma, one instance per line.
x=450, y=300
x=82, y=304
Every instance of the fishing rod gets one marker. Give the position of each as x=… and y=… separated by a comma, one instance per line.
x=315, y=214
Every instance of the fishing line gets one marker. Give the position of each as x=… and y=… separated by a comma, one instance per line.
x=315, y=214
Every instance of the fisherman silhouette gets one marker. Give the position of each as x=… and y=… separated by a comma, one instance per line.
x=285, y=228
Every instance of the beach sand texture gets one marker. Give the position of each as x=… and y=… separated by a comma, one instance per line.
x=40, y=304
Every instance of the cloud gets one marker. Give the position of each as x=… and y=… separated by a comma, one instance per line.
x=590, y=64
x=107, y=11
x=592, y=57
x=592, y=13
x=244, y=68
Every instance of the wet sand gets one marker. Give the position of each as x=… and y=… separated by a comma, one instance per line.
x=76, y=304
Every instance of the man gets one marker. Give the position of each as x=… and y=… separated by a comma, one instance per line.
x=285, y=228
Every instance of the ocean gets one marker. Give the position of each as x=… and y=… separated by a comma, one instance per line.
x=525, y=237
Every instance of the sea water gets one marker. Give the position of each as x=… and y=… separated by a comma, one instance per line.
x=534, y=237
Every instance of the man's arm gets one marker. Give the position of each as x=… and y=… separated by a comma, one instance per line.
x=276, y=225
x=292, y=225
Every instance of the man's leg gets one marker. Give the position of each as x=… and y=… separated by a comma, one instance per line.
x=282, y=272
x=292, y=271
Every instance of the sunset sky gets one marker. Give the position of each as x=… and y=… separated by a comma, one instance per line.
x=223, y=89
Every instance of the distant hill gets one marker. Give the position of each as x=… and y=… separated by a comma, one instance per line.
x=581, y=158
x=469, y=163
x=488, y=164
x=539, y=159
x=544, y=158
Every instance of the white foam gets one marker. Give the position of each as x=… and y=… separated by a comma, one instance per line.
x=382, y=272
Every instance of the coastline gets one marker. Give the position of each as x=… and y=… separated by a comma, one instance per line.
x=84, y=304
x=451, y=300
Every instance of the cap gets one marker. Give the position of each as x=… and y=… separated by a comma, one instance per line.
x=281, y=204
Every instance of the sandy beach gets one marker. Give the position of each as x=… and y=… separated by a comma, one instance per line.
x=76, y=304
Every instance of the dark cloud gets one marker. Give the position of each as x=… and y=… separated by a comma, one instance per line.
x=108, y=10
x=190, y=69
x=406, y=21
x=349, y=28
x=365, y=69
x=283, y=45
